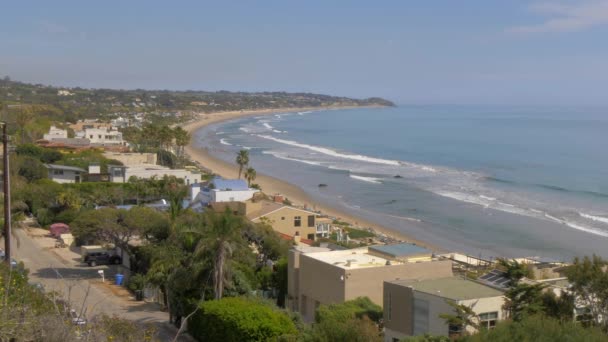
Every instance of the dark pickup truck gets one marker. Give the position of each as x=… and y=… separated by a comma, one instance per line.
x=102, y=258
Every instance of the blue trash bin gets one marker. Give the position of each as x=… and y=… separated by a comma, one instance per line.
x=119, y=278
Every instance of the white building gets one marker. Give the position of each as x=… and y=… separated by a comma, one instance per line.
x=102, y=136
x=222, y=190
x=55, y=133
x=412, y=307
x=122, y=173
x=65, y=174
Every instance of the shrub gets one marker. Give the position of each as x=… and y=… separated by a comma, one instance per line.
x=239, y=319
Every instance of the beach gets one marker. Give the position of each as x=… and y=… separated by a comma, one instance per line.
x=271, y=185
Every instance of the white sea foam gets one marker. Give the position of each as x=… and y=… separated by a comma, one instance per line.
x=224, y=142
x=277, y=131
x=366, y=179
x=577, y=226
x=331, y=152
x=428, y=168
x=243, y=129
x=302, y=113
x=487, y=198
x=219, y=133
x=594, y=217
x=284, y=157
x=267, y=125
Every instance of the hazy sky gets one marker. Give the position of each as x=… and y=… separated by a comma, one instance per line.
x=520, y=52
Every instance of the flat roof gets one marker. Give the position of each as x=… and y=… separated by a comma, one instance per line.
x=351, y=258
x=451, y=288
x=63, y=167
x=401, y=250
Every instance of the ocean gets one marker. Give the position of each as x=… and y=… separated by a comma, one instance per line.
x=508, y=181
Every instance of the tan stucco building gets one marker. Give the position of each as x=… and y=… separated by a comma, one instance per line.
x=412, y=307
x=317, y=276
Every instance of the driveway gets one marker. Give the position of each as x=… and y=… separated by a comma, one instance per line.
x=81, y=285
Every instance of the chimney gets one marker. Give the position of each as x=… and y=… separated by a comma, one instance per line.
x=278, y=198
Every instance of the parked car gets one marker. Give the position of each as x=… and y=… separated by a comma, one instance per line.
x=102, y=258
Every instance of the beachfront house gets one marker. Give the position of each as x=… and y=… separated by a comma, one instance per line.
x=64, y=174
x=326, y=277
x=122, y=173
x=412, y=307
x=221, y=190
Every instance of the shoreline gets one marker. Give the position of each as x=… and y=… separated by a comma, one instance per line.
x=271, y=185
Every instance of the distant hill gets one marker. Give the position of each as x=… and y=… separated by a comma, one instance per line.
x=78, y=103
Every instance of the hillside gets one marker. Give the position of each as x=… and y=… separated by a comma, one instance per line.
x=78, y=103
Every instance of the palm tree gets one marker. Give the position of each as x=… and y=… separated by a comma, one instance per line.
x=182, y=138
x=223, y=235
x=250, y=175
x=242, y=158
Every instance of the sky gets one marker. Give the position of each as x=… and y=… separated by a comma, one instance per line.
x=419, y=52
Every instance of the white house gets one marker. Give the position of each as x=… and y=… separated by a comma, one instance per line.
x=122, y=173
x=102, y=136
x=55, y=133
x=412, y=307
x=222, y=190
x=65, y=174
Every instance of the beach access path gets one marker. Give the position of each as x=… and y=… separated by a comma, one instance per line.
x=271, y=185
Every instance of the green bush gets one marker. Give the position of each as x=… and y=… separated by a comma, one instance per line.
x=538, y=329
x=136, y=282
x=239, y=319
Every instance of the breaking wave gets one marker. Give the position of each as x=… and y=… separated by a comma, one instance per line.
x=224, y=142
x=331, y=152
x=366, y=179
x=594, y=218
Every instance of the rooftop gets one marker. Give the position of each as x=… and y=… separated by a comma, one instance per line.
x=63, y=167
x=229, y=184
x=451, y=288
x=351, y=258
x=400, y=250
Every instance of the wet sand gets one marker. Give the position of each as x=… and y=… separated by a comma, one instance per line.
x=271, y=185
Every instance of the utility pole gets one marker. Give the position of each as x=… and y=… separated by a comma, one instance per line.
x=7, y=196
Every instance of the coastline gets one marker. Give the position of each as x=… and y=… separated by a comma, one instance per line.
x=271, y=185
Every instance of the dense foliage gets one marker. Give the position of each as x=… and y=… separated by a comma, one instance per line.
x=240, y=319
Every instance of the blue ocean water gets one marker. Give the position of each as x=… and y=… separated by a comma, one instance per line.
x=502, y=181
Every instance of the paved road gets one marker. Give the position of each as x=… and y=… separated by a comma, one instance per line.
x=77, y=285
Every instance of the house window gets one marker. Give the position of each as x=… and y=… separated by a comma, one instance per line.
x=117, y=172
x=283, y=218
x=297, y=221
x=390, y=306
x=310, y=236
x=488, y=320
x=311, y=220
x=58, y=172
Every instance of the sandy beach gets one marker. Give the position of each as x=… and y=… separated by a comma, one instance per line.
x=271, y=185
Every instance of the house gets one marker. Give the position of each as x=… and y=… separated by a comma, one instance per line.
x=222, y=190
x=102, y=136
x=122, y=173
x=64, y=174
x=55, y=133
x=285, y=219
x=412, y=307
x=327, y=277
